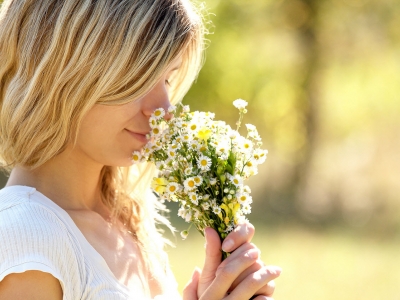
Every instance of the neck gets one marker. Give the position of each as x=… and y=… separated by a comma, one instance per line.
x=71, y=181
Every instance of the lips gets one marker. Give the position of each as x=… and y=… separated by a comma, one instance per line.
x=141, y=136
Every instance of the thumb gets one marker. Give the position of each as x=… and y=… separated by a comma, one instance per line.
x=190, y=290
x=212, y=260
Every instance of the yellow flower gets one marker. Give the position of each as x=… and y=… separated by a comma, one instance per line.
x=236, y=207
x=204, y=133
x=228, y=212
x=159, y=184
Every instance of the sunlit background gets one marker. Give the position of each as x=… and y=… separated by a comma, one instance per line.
x=322, y=78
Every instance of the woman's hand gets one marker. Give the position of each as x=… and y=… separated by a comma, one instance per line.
x=239, y=277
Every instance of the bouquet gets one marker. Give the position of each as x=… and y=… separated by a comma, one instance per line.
x=202, y=165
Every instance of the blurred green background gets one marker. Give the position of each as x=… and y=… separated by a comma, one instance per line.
x=322, y=78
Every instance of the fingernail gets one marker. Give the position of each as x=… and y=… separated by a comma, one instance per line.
x=227, y=245
x=253, y=253
x=206, y=230
x=275, y=270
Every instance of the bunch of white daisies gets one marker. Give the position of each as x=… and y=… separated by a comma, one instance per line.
x=202, y=164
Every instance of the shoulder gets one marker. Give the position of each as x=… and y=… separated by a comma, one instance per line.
x=14, y=195
x=22, y=218
x=25, y=286
x=34, y=238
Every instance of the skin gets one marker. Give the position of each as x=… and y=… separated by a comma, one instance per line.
x=108, y=136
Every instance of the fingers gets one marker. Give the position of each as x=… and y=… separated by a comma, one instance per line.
x=190, y=290
x=256, y=282
x=212, y=259
x=242, y=275
x=241, y=234
x=229, y=270
x=253, y=268
x=267, y=290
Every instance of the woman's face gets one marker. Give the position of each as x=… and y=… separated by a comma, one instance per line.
x=110, y=133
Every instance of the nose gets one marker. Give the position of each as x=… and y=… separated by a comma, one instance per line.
x=158, y=97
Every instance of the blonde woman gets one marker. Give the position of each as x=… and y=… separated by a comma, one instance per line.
x=78, y=82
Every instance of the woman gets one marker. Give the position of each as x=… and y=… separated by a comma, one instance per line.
x=78, y=82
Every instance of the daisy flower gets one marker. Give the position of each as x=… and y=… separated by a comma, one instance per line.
x=159, y=113
x=153, y=122
x=240, y=104
x=171, y=109
x=205, y=206
x=213, y=181
x=204, y=163
x=251, y=127
x=246, y=209
x=136, y=156
x=156, y=131
x=189, y=184
x=194, y=198
x=172, y=188
x=198, y=180
x=243, y=198
x=188, y=171
x=216, y=210
x=246, y=145
x=193, y=127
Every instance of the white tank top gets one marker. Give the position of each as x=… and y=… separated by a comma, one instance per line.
x=37, y=234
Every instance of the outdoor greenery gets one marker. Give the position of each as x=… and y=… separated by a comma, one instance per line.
x=329, y=266
x=322, y=81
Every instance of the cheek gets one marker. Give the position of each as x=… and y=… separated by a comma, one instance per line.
x=103, y=138
x=105, y=147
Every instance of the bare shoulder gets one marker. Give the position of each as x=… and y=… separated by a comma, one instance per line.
x=30, y=285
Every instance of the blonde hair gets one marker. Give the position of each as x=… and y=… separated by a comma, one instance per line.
x=59, y=58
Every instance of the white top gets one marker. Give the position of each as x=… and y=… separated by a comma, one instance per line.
x=37, y=234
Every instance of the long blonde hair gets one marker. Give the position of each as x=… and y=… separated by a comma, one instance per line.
x=58, y=58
